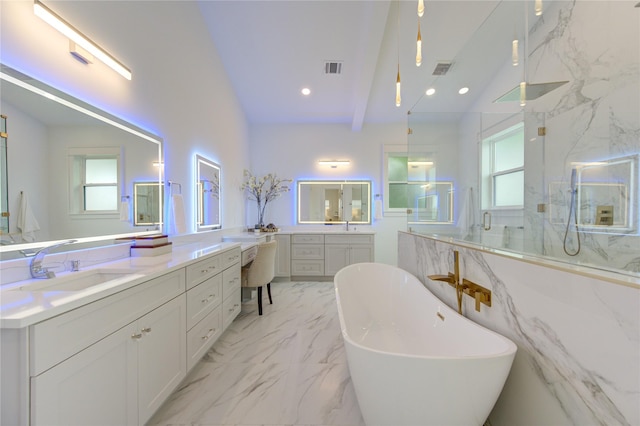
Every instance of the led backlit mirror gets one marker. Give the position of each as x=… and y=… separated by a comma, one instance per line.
x=207, y=194
x=329, y=202
x=146, y=197
x=57, y=144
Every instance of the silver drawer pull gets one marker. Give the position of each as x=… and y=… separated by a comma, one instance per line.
x=146, y=330
x=209, y=334
x=208, y=299
x=136, y=336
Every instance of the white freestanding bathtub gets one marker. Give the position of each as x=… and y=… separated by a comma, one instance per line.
x=413, y=360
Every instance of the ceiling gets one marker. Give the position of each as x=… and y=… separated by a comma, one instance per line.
x=272, y=49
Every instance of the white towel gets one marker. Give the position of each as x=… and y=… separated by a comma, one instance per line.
x=377, y=208
x=26, y=222
x=178, y=218
x=124, y=211
x=467, y=219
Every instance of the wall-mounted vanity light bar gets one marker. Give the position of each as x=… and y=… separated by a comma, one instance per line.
x=53, y=19
x=334, y=163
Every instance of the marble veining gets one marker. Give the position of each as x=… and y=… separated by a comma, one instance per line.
x=286, y=367
x=579, y=336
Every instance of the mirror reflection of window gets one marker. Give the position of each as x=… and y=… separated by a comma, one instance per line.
x=208, y=194
x=94, y=180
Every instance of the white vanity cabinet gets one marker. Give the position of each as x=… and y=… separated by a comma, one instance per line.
x=307, y=255
x=114, y=360
x=283, y=255
x=346, y=249
x=126, y=374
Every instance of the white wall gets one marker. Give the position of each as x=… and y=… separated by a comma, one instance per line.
x=292, y=151
x=179, y=90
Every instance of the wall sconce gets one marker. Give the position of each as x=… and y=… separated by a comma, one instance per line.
x=75, y=36
x=334, y=163
x=416, y=164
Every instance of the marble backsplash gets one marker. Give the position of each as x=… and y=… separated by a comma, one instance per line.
x=578, y=336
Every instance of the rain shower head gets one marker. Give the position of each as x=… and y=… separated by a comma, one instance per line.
x=534, y=91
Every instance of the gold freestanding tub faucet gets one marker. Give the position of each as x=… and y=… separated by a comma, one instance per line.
x=464, y=286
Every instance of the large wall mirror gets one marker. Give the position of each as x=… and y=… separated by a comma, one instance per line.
x=70, y=167
x=329, y=202
x=207, y=194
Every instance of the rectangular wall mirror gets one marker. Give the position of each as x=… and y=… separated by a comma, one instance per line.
x=606, y=194
x=207, y=194
x=329, y=202
x=68, y=153
x=146, y=197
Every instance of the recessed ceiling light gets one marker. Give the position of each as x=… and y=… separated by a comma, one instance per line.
x=306, y=91
x=463, y=90
x=430, y=91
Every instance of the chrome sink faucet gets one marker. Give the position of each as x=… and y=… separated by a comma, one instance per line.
x=39, y=271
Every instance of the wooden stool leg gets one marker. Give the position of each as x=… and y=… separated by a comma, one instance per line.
x=269, y=291
x=260, y=300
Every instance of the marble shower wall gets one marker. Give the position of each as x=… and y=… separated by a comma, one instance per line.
x=578, y=336
x=595, y=45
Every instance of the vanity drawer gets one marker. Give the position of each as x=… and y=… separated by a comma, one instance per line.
x=307, y=251
x=200, y=271
x=348, y=239
x=60, y=337
x=231, y=308
x=202, y=336
x=230, y=280
x=307, y=239
x=202, y=299
x=307, y=267
x=230, y=257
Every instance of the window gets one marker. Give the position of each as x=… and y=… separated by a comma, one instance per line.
x=94, y=180
x=503, y=169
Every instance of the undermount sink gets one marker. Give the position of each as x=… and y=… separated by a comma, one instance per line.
x=76, y=281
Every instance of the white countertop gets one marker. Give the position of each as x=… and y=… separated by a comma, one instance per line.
x=20, y=308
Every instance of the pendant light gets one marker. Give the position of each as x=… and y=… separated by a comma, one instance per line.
x=420, y=8
x=419, y=47
x=523, y=83
x=538, y=7
x=398, y=97
x=514, y=52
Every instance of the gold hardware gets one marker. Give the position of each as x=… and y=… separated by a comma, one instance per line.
x=481, y=294
x=4, y=135
x=464, y=286
x=409, y=131
x=604, y=215
x=542, y=131
x=440, y=316
x=5, y=214
x=542, y=208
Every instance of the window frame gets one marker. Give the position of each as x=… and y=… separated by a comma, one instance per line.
x=488, y=167
x=77, y=179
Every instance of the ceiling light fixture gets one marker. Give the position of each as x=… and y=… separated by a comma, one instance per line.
x=430, y=91
x=334, y=163
x=419, y=47
x=51, y=18
x=420, y=8
x=306, y=91
x=463, y=90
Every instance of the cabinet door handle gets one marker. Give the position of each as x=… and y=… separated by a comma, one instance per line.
x=136, y=336
x=208, y=299
x=209, y=334
x=146, y=330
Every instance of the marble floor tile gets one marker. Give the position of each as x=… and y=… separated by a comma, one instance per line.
x=285, y=368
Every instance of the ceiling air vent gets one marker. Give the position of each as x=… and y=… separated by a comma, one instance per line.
x=442, y=68
x=333, y=67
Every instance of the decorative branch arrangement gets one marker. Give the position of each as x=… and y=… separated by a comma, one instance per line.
x=264, y=189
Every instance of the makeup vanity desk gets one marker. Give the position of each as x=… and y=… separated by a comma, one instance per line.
x=314, y=254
